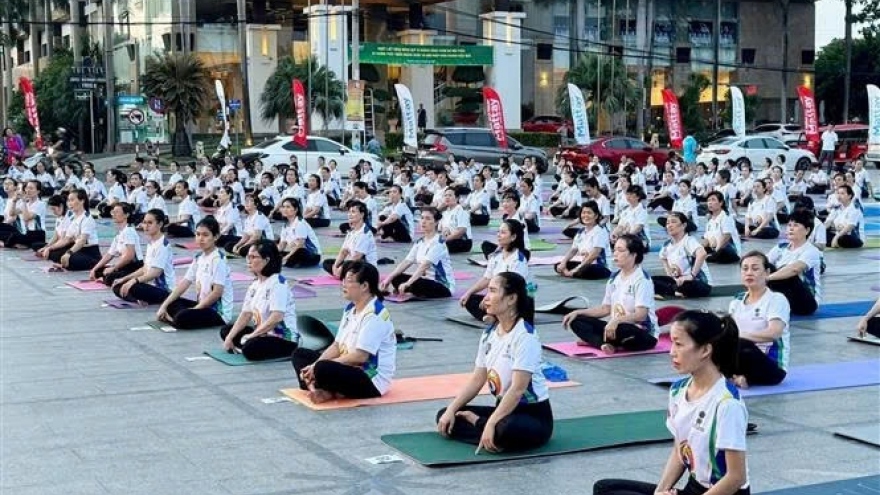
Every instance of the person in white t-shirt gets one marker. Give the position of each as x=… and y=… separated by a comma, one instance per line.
x=153, y=282
x=188, y=214
x=210, y=274
x=395, y=222
x=58, y=207
x=361, y=361
x=509, y=362
x=266, y=328
x=317, y=210
x=870, y=323
x=362, y=194
x=588, y=256
x=684, y=262
x=634, y=218
x=760, y=221
x=298, y=243
x=255, y=228
x=433, y=277
x=569, y=201
x=125, y=254
x=798, y=266
x=478, y=203
x=530, y=205
x=762, y=317
x=721, y=239
x=628, y=304
x=455, y=226
x=30, y=211
x=844, y=225
x=78, y=250
x=705, y=414
x=229, y=217
x=829, y=145
x=359, y=243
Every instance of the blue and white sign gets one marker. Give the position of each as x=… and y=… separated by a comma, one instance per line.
x=235, y=104
x=579, y=114
x=873, y=114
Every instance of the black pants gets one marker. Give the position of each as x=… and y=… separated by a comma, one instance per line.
x=187, y=318
x=179, y=230
x=628, y=336
x=800, y=299
x=532, y=226
x=330, y=376
x=225, y=240
x=564, y=212
x=423, y=288
x=459, y=245
x=302, y=258
x=472, y=305
x=626, y=487
x=395, y=230
x=874, y=326
x=849, y=241
x=817, y=189
x=666, y=286
x=146, y=293
x=28, y=239
x=782, y=217
x=117, y=273
x=242, y=251
x=83, y=260
x=527, y=427
x=318, y=223
x=758, y=369
x=479, y=219
x=768, y=232
x=725, y=256
x=260, y=348
x=664, y=202
x=593, y=271
x=488, y=248
x=104, y=210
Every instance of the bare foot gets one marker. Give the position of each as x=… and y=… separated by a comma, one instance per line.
x=608, y=349
x=468, y=416
x=319, y=396
x=740, y=381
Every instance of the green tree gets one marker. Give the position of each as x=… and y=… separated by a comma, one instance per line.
x=689, y=103
x=752, y=102
x=831, y=75
x=183, y=83
x=326, y=94
x=615, y=94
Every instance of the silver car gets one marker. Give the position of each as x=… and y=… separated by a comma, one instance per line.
x=465, y=143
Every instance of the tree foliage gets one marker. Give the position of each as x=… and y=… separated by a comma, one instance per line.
x=616, y=93
x=752, y=102
x=326, y=94
x=830, y=76
x=689, y=103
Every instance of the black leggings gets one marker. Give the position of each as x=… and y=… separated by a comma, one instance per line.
x=227, y=240
x=179, y=230
x=527, y=427
x=800, y=299
x=593, y=271
x=628, y=336
x=666, y=286
x=242, y=251
x=117, y=273
x=768, y=232
x=472, y=305
x=479, y=219
x=532, y=226
x=424, y=288
x=317, y=223
x=564, y=212
x=758, y=369
x=627, y=487
x=725, y=256
x=302, y=258
x=260, y=348
x=570, y=232
x=396, y=230
x=185, y=317
x=849, y=241
x=459, y=245
x=28, y=239
x=83, y=260
x=874, y=326
x=665, y=202
x=328, y=263
x=330, y=376
x=146, y=293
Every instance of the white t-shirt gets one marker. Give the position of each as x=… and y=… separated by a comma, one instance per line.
x=209, y=270
x=83, y=224
x=844, y=217
x=625, y=294
x=707, y=427
x=157, y=202
x=371, y=331
x=361, y=241
x=404, y=214
x=571, y=196
x=783, y=255
x=756, y=317
x=189, y=207
x=434, y=252
x=729, y=192
x=116, y=193
x=686, y=205
x=159, y=255
x=532, y=205
x=317, y=199
x=128, y=236
x=503, y=353
x=268, y=296
x=455, y=219
x=229, y=219
x=37, y=208
x=503, y=261
x=631, y=216
x=829, y=140
x=478, y=201
x=723, y=224
x=300, y=229
x=588, y=239
x=819, y=236
x=138, y=199
x=257, y=225
x=682, y=254
x=760, y=209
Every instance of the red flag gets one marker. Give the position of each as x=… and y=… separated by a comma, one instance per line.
x=300, y=137
x=30, y=102
x=673, y=118
x=495, y=113
x=811, y=119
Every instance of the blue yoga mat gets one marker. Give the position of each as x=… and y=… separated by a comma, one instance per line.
x=869, y=485
x=837, y=310
x=872, y=227
x=812, y=377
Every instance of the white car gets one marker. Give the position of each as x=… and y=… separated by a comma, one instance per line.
x=756, y=149
x=277, y=151
x=782, y=132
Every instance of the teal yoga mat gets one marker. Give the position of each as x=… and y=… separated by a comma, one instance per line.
x=238, y=359
x=837, y=310
x=868, y=434
x=869, y=485
x=569, y=435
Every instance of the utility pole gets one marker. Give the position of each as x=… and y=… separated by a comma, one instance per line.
x=716, y=54
x=847, y=72
x=110, y=76
x=245, y=86
x=355, y=52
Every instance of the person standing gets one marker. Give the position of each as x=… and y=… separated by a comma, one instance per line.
x=14, y=145
x=689, y=149
x=422, y=118
x=829, y=144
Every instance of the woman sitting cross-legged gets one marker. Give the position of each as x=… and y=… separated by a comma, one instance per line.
x=798, y=264
x=255, y=228
x=684, y=261
x=31, y=212
x=432, y=277
x=78, y=250
x=455, y=226
x=150, y=284
x=721, y=239
x=266, y=327
x=629, y=302
x=760, y=220
x=359, y=243
x=509, y=361
x=188, y=213
x=590, y=245
x=298, y=242
x=125, y=254
x=396, y=219
x=870, y=323
x=360, y=363
x=844, y=224
x=211, y=276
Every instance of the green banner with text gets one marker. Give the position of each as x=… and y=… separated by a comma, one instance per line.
x=397, y=54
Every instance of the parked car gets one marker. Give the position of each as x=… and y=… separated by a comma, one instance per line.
x=546, y=123
x=723, y=133
x=611, y=149
x=873, y=154
x=756, y=149
x=277, y=150
x=780, y=131
x=465, y=143
x=852, y=142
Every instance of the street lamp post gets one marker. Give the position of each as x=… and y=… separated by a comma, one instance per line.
x=245, y=87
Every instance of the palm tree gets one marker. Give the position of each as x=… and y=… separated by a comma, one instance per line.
x=183, y=83
x=616, y=94
x=327, y=94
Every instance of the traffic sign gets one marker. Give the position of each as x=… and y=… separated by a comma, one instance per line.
x=235, y=105
x=81, y=94
x=136, y=117
x=157, y=105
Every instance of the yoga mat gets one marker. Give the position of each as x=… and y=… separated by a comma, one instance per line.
x=185, y=260
x=545, y=260
x=238, y=359
x=162, y=326
x=727, y=290
x=541, y=245
x=564, y=306
x=320, y=281
x=871, y=243
x=867, y=434
x=838, y=310
x=466, y=320
x=402, y=298
x=121, y=304
x=87, y=285
x=872, y=227
x=416, y=389
x=189, y=246
x=241, y=277
x=869, y=485
x=457, y=275
x=812, y=377
x=572, y=349
x=325, y=315
x=569, y=435
x=867, y=339
x=31, y=257
x=478, y=262
x=331, y=250
x=300, y=292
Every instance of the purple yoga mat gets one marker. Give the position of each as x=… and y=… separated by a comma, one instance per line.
x=875, y=288
x=320, y=281
x=87, y=285
x=871, y=256
x=572, y=349
x=241, y=277
x=121, y=304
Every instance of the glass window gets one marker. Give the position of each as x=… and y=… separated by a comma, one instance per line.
x=326, y=146
x=291, y=146
x=267, y=143
x=479, y=139
x=617, y=144
x=635, y=144
x=773, y=144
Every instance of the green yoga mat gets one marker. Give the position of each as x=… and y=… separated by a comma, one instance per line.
x=238, y=359
x=856, y=486
x=330, y=251
x=540, y=245
x=727, y=290
x=569, y=435
x=325, y=315
x=872, y=242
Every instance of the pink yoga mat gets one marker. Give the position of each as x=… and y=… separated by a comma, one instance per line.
x=190, y=246
x=455, y=276
x=321, y=281
x=87, y=285
x=241, y=277
x=186, y=260
x=572, y=349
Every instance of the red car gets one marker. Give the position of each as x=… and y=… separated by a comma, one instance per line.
x=545, y=123
x=610, y=149
x=852, y=142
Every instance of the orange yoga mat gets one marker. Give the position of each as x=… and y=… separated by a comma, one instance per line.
x=404, y=390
